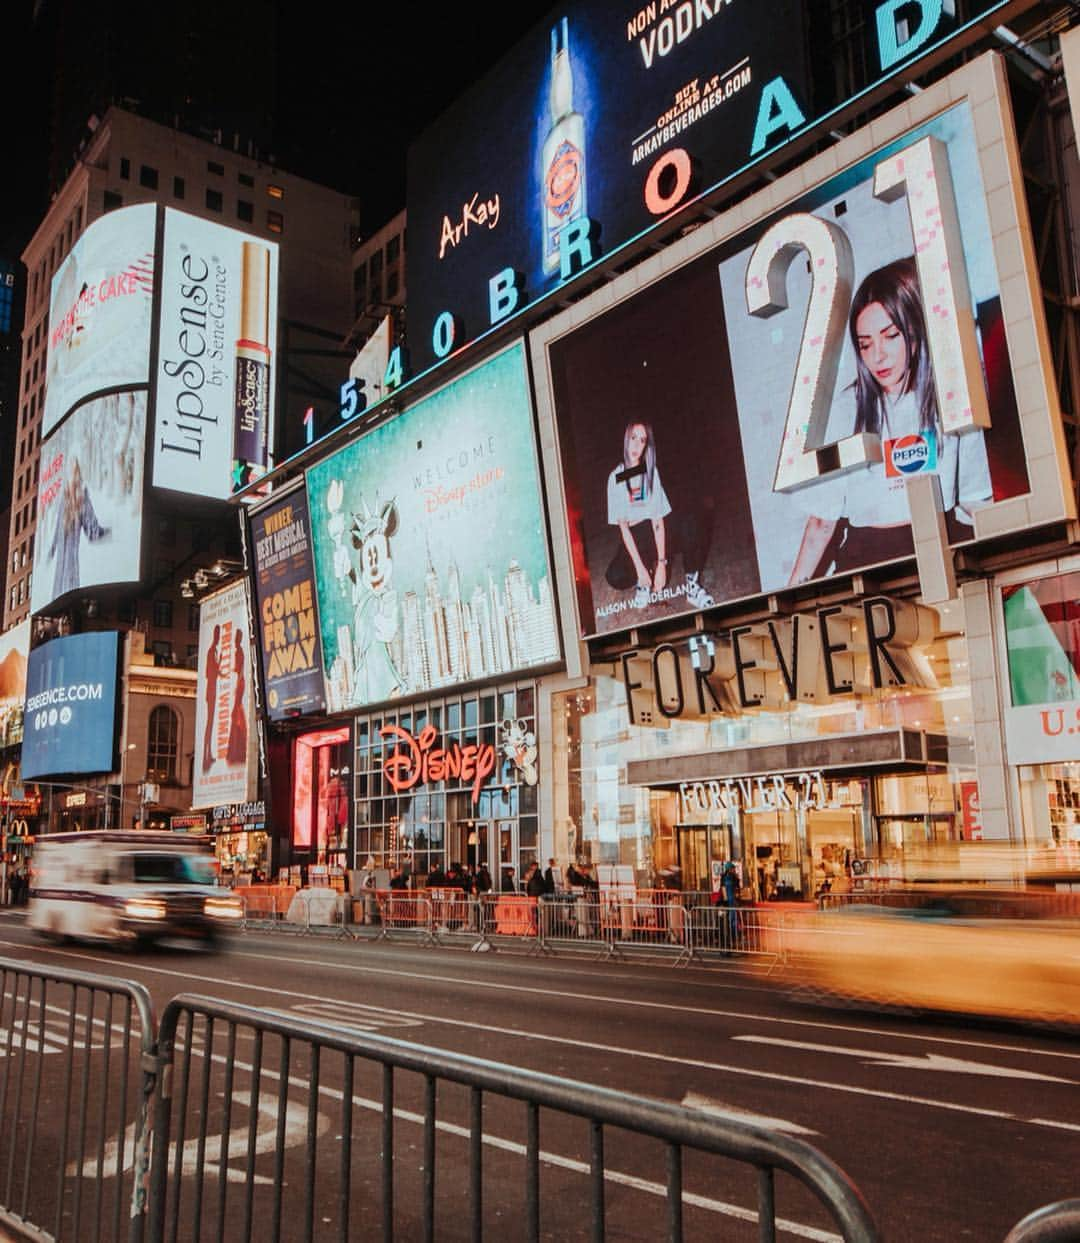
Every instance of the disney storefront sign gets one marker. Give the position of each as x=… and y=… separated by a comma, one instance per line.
x=418, y=760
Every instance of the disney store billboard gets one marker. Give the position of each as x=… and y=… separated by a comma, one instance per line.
x=430, y=547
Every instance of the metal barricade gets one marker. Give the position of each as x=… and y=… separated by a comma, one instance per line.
x=263, y=910
x=735, y=932
x=76, y=1080
x=295, y=1129
x=1054, y=1223
x=404, y=914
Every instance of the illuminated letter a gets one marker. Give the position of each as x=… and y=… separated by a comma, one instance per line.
x=777, y=110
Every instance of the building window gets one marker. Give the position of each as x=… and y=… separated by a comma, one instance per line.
x=193, y=618
x=125, y=610
x=217, y=169
x=178, y=187
x=245, y=179
x=148, y=177
x=275, y=222
x=163, y=613
x=245, y=210
x=376, y=266
x=112, y=200
x=214, y=200
x=163, y=654
x=392, y=282
x=125, y=168
x=276, y=192
x=161, y=745
x=393, y=248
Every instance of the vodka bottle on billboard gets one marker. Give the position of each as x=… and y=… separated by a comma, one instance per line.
x=562, y=160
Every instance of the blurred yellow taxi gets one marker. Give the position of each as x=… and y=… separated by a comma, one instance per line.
x=1013, y=954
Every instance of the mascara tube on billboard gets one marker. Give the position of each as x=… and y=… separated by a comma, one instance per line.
x=252, y=426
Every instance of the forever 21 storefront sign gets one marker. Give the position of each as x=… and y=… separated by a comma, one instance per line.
x=842, y=649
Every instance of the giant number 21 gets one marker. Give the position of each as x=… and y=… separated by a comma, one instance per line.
x=921, y=173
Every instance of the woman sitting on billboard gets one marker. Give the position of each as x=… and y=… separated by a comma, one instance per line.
x=638, y=505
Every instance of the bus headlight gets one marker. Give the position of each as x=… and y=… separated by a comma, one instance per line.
x=144, y=908
x=224, y=908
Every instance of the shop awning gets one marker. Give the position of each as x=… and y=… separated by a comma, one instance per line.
x=892, y=750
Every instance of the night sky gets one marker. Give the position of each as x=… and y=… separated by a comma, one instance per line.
x=352, y=88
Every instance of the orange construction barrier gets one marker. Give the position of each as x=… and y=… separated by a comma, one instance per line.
x=515, y=915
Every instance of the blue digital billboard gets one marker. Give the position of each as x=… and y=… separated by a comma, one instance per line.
x=70, y=717
x=606, y=118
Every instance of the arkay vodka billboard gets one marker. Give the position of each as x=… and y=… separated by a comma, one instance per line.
x=215, y=382
x=285, y=603
x=70, y=723
x=100, y=312
x=90, y=499
x=588, y=119
x=746, y=423
x=223, y=754
x=430, y=544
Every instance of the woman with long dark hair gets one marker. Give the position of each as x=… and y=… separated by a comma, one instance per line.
x=638, y=505
x=894, y=397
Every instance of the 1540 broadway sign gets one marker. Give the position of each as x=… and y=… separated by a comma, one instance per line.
x=843, y=649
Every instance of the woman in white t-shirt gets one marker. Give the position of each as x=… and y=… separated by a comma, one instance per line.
x=894, y=397
x=638, y=505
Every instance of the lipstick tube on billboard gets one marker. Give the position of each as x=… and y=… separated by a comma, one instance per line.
x=252, y=427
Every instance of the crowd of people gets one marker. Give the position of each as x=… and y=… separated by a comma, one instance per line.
x=475, y=881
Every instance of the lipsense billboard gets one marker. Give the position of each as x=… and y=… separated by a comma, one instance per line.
x=214, y=388
x=212, y=397
x=606, y=118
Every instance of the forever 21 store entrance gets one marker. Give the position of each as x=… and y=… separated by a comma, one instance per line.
x=796, y=831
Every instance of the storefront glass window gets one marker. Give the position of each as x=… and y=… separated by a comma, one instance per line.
x=438, y=822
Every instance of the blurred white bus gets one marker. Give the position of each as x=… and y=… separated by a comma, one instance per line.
x=136, y=887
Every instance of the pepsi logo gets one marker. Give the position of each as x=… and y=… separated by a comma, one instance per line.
x=910, y=454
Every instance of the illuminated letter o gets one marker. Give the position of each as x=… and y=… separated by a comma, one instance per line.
x=444, y=335
x=679, y=161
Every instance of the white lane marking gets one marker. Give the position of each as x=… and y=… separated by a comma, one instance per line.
x=265, y=1141
x=595, y=1046
x=928, y=1061
x=606, y=999
x=352, y=1014
x=693, y=1100
x=1061, y=1126
x=603, y=998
